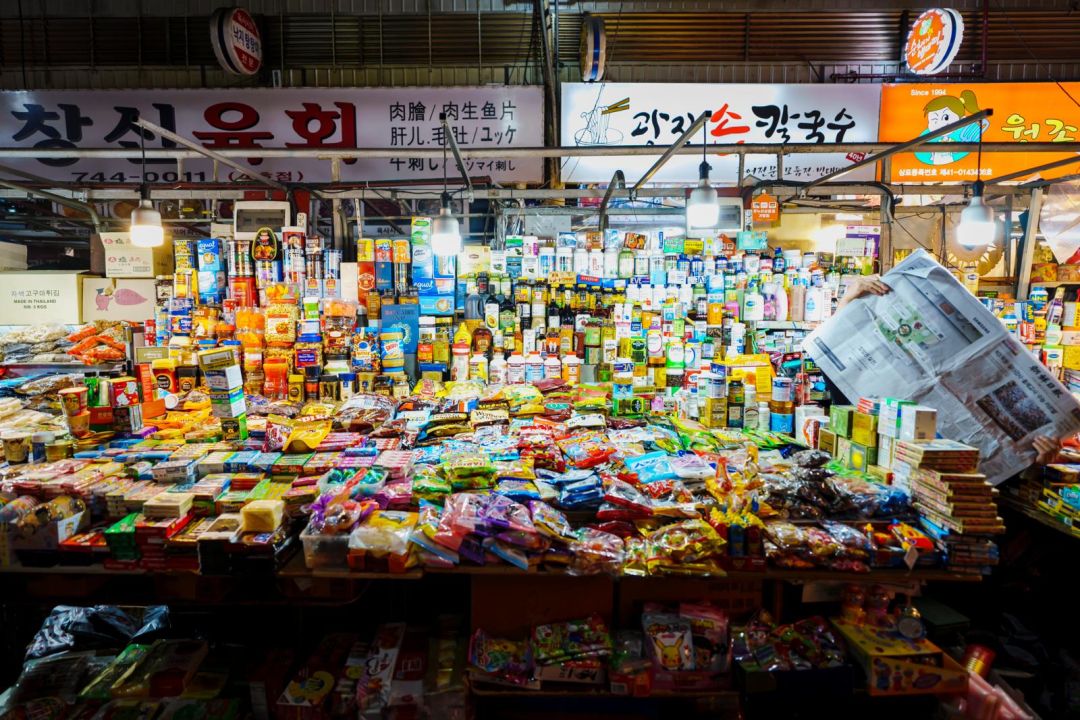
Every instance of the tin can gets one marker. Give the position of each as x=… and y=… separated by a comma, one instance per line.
x=782, y=389
x=59, y=450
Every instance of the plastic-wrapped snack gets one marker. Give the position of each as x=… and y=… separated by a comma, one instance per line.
x=572, y=640
x=709, y=626
x=519, y=490
x=499, y=513
x=595, y=552
x=278, y=429
x=49, y=384
x=468, y=470
x=854, y=543
x=587, y=450
x=423, y=536
x=550, y=522
x=822, y=546
x=669, y=641
x=811, y=458
x=504, y=660
x=636, y=562
x=651, y=467
x=689, y=466
x=462, y=514
x=811, y=474
x=386, y=532
x=690, y=547
x=862, y=499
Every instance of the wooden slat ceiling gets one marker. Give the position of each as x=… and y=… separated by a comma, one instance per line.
x=296, y=41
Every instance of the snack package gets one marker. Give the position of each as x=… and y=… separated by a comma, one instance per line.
x=595, y=552
x=551, y=523
x=504, y=660
x=669, y=641
x=709, y=627
x=572, y=640
x=587, y=449
x=386, y=532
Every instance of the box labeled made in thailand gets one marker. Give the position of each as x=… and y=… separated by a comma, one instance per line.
x=895, y=665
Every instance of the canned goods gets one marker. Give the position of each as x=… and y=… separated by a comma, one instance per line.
x=782, y=389
x=59, y=450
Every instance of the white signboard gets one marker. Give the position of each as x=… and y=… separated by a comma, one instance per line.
x=333, y=119
x=658, y=113
x=931, y=341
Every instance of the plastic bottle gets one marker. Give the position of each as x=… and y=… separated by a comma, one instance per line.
x=751, y=408
x=763, y=416
x=815, y=300
x=571, y=369
x=459, y=363
x=534, y=367
x=515, y=368
x=564, y=260
x=581, y=261
x=596, y=263
x=611, y=262
x=478, y=367
x=498, y=370
x=552, y=367
x=798, y=302
x=781, y=302
x=754, y=305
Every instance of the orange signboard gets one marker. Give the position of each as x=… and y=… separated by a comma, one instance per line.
x=1023, y=112
x=765, y=209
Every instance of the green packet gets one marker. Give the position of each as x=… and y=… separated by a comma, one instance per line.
x=98, y=688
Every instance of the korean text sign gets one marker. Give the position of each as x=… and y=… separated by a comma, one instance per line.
x=657, y=114
x=1023, y=112
x=487, y=118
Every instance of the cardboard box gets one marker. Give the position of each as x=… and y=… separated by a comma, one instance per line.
x=121, y=259
x=41, y=296
x=107, y=299
x=886, y=450
x=1071, y=357
x=228, y=405
x=827, y=441
x=840, y=419
x=862, y=456
x=225, y=379
x=843, y=450
x=918, y=423
x=889, y=416
x=864, y=428
x=897, y=666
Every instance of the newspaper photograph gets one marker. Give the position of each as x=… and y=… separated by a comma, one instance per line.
x=931, y=341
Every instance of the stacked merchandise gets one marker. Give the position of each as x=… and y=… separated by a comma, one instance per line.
x=955, y=501
x=1058, y=495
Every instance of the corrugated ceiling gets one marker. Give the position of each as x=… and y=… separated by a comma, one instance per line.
x=297, y=41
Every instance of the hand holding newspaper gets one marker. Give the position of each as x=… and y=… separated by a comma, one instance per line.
x=933, y=342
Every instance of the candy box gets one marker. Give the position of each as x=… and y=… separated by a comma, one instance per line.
x=840, y=419
x=895, y=665
x=234, y=428
x=123, y=392
x=864, y=428
x=226, y=380
x=306, y=695
x=861, y=456
x=827, y=441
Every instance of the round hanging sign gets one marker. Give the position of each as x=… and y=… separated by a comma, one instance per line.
x=934, y=41
x=593, y=48
x=236, y=40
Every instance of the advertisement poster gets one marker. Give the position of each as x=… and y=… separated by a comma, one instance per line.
x=933, y=342
x=599, y=114
x=1023, y=112
x=289, y=119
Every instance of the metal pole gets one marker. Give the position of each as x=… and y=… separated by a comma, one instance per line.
x=457, y=153
x=1033, y=170
x=509, y=153
x=904, y=146
x=619, y=180
x=1023, y=272
x=58, y=199
x=212, y=154
x=672, y=149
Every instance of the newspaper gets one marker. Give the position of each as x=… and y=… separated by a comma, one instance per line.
x=933, y=342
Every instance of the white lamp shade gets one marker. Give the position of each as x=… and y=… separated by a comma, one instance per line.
x=977, y=225
x=445, y=236
x=146, y=229
x=702, y=208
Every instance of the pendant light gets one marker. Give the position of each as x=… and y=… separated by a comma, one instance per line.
x=146, y=229
x=445, y=229
x=702, y=206
x=978, y=226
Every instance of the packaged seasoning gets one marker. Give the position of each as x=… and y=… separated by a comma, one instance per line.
x=281, y=320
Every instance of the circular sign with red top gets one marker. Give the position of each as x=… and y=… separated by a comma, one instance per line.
x=236, y=40
x=934, y=41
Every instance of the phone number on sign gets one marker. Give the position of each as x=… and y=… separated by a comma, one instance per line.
x=148, y=176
